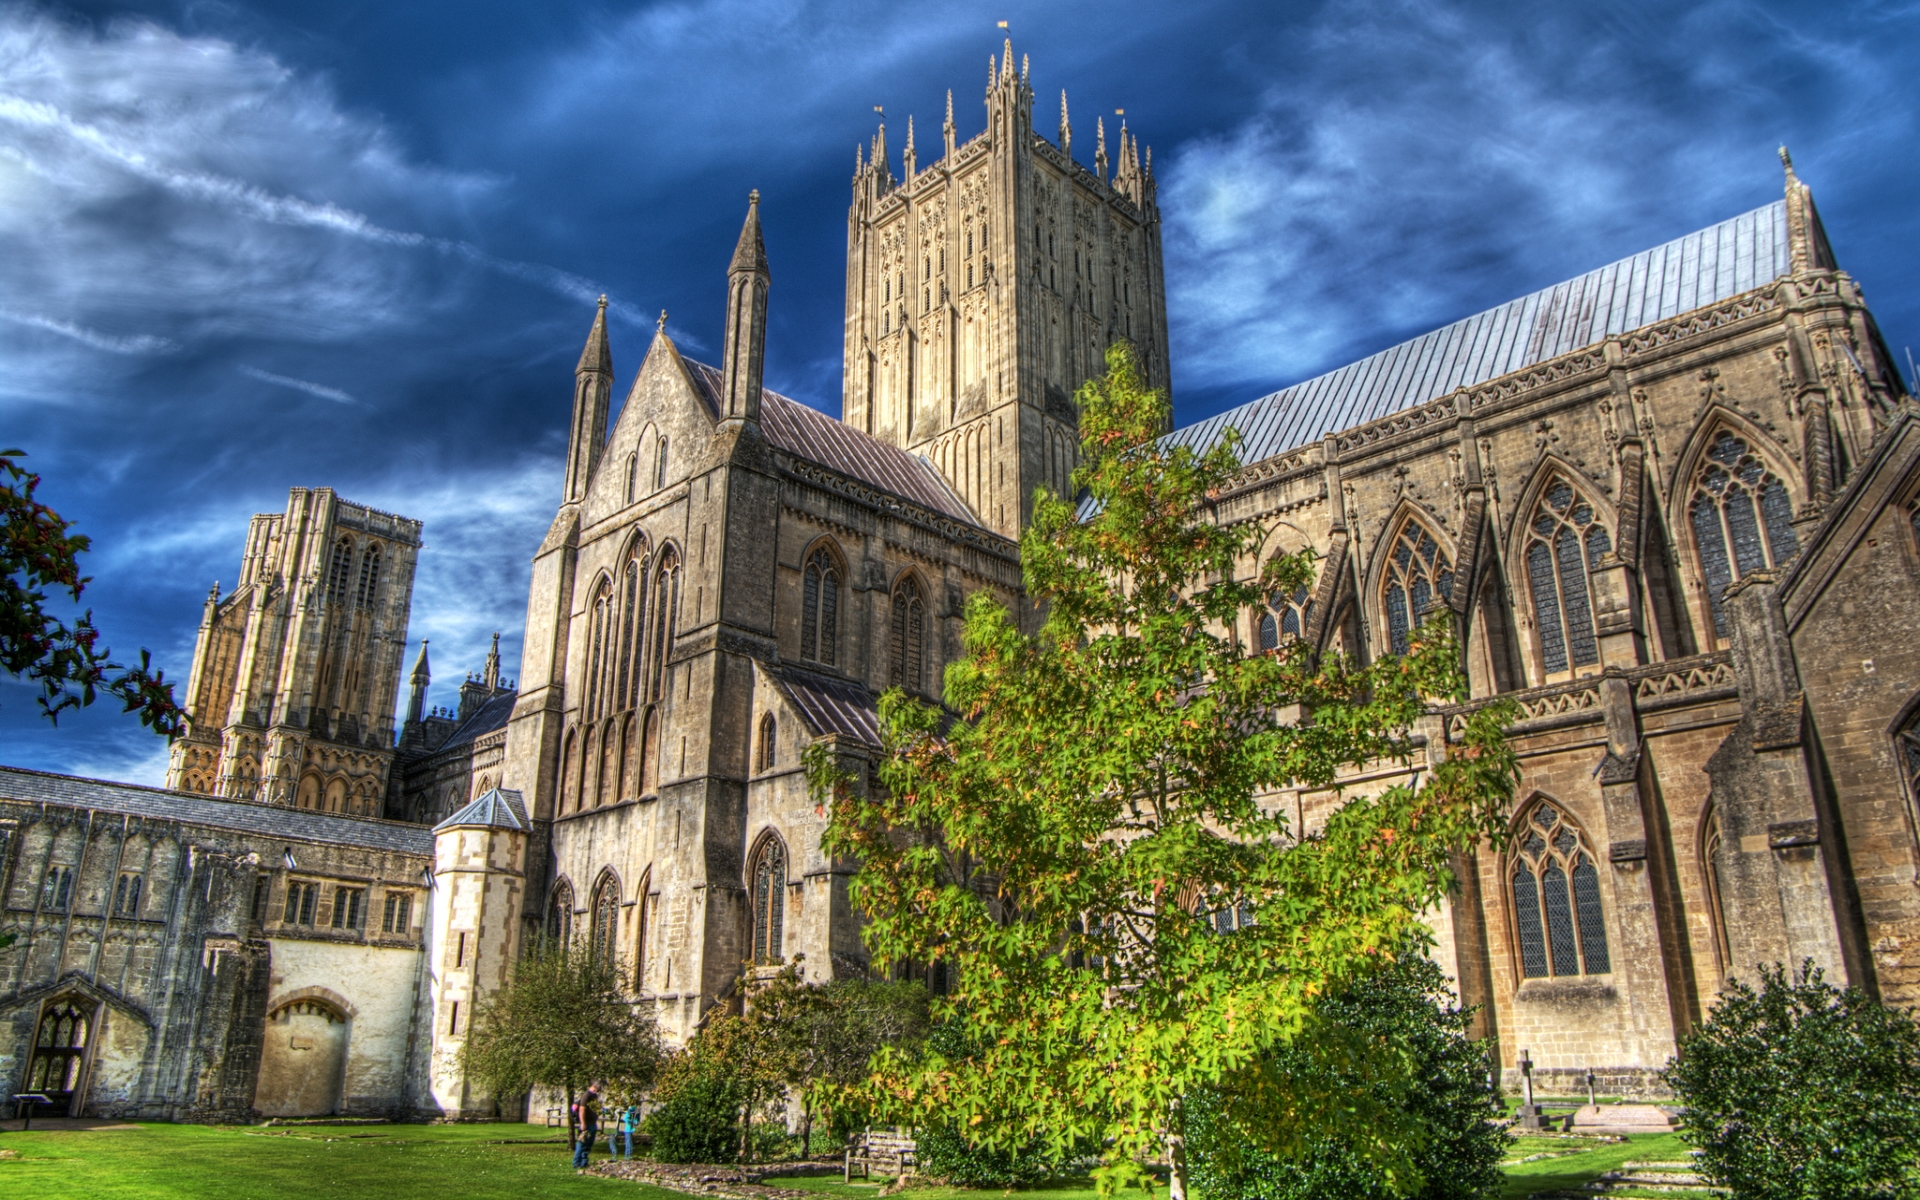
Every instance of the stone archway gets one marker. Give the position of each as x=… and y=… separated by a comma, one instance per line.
x=61, y=1046
x=303, y=1060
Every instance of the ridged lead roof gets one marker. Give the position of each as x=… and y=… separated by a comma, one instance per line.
x=1701, y=268
x=496, y=808
x=831, y=705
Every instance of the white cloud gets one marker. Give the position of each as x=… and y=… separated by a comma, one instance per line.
x=136, y=344
x=300, y=385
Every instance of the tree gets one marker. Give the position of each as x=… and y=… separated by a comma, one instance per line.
x=1802, y=1090
x=39, y=551
x=563, y=1022
x=1076, y=837
x=845, y=1024
x=1393, y=1045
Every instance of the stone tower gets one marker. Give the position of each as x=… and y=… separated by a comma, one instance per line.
x=295, y=673
x=984, y=288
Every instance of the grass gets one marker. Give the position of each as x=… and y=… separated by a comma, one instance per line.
x=502, y=1162
x=382, y=1162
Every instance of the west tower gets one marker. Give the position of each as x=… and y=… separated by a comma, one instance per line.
x=983, y=288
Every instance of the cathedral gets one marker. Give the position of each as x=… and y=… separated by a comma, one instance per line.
x=1671, y=506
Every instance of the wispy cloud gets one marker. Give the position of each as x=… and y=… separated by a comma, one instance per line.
x=140, y=343
x=300, y=385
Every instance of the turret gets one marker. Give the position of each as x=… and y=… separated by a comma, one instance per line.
x=592, y=392
x=745, y=353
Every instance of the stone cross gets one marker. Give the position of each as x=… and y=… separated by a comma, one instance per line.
x=1591, y=1102
x=1526, y=1080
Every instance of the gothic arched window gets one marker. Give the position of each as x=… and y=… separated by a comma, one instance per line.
x=369, y=577
x=1283, y=619
x=768, y=728
x=907, y=645
x=819, y=608
x=666, y=615
x=769, y=876
x=1564, y=543
x=560, y=914
x=660, y=465
x=597, y=648
x=1556, y=898
x=604, y=927
x=1742, y=519
x=632, y=628
x=1710, y=845
x=633, y=469
x=1907, y=747
x=1417, y=576
x=337, y=572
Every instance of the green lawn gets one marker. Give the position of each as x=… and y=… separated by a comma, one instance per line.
x=329, y=1162
x=485, y=1162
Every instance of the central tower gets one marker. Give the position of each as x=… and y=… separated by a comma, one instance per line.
x=984, y=288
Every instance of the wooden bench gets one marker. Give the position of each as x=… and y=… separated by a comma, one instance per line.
x=889, y=1150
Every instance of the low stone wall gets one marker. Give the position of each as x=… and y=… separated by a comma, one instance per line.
x=726, y=1182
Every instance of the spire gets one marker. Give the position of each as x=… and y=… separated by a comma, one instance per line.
x=745, y=354
x=595, y=356
x=491, y=675
x=1066, y=128
x=909, y=160
x=1006, y=62
x=1100, y=149
x=948, y=128
x=420, y=677
x=993, y=74
x=882, y=169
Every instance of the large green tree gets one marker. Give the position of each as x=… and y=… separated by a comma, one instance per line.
x=1082, y=835
x=39, y=552
x=563, y=1021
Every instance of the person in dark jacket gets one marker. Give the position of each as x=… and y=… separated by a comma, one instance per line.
x=586, y=1123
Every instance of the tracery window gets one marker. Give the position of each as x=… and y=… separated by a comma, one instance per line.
x=369, y=578
x=1284, y=618
x=1564, y=544
x=605, y=928
x=1557, y=914
x=768, y=898
x=337, y=573
x=560, y=915
x=819, y=609
x=1417, y=572
x=768, y=729
x=58, y=1050
x=599, y=617
x=1742, y=519
x=632, y=628
x=907, y=645
x=666, y=617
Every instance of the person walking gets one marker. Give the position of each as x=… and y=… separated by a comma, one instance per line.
x=620, y=1132
x=586, y=1116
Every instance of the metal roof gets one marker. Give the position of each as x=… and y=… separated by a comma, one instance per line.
x=819, y=438
x=491, y=715
x=496, y=808
x=831, y=705
x=190, y=808
x=1701, y=268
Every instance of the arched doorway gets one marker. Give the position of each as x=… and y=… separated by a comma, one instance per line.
x=60, y=1052
x=303, y=1060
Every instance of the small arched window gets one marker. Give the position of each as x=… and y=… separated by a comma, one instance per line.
x=560, y=914
x=597, y=648
x=819, y=609
x=605, y=926
x=660, y=464
x=1284, y=618
x=632, y=628
x=1417, y=576
x=666, y=616
x=337, y=573
x=369, y=577
x=1556, y=898
x=907, y=645
x=633, y=469
x=767, y=752
x=1742, y=520
x=1710, y=844
x=1564, y=544
x=769, y=899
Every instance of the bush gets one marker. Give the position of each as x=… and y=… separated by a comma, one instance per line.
x=1802, y=1090
x=697, y=1122
x=1389, y=1078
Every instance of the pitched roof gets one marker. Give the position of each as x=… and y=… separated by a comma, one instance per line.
x=490, y=716
x=496, y=808
x=240, y=816
x=816, y=437
x=1701, y=268
x=831, y=705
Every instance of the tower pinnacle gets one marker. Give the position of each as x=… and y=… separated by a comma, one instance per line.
x=747, y=283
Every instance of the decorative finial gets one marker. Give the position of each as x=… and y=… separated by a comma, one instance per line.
x=1786, y=160
x=753, y=197
x=661, y=327
x=603, y=299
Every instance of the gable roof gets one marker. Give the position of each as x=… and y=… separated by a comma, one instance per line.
x=830, y=705
x=191, y=808
x=490, y=716
x=1706, y=267
x=804, y=433
x=497, y=809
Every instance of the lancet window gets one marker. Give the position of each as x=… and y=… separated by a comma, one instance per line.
x=369, y=577
x=820, y=609
x=1557, y=914
x=768, y=896
x=1564, y=544
x=1418, y=575
x=766, y=755
x=1742, y=519
x=338, y=570
x=907, y=645
x=632, y=627
x=1909, y=751
x=605, y=926
x=599, y=621
x=666, y=616
x=660, y=465
x=560, y=914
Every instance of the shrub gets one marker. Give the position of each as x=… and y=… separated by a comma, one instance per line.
x=1396, y=1095
x=1802, y=1090
x=697, y=1122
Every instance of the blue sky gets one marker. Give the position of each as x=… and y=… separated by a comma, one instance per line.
x=249, y=246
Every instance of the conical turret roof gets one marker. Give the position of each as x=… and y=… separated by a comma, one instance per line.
x=595, y=356
x=751, y=252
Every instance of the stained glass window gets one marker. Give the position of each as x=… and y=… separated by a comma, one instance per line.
x=560, y=915
x=1557, y=913
x=1418, y=575
x=1742, y=519
x=605, y=929
x=769, y=899
x=1564, y=543
x=819, y=608
x=1284, y=618
x=907, y=646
